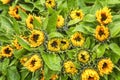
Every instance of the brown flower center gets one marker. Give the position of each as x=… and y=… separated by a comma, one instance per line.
x=35, y=37
x=101, y=32
x=31, y=21
x=7, y=51
x=83, y=57
x=77, y=13
x=104, y=17
x=33, y=62
x=77, y=38
x=63, y=42
x=50, y=2
x=54, y=44
x=91, y=78
x=104, y=66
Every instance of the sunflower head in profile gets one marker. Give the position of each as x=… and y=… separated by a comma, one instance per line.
x=89, y=74
x=64, y=44
x=83, y=56
x=104, y=16
x=30, y=19
x=5, y=1
x=34, y=63
x=60, y=21
x=16, y=44
x=77, y=39
x=50, y=3
x=13, y=11
x=54, y=45
x=105, y=66
x=76, y=14
x=36, y=38
x=101, y=33
x=6, y=51
x=70, y=67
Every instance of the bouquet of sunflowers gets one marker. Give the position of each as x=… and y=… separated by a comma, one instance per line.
x=59, y=39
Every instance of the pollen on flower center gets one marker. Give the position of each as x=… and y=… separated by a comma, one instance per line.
x=101, y=32
x=91, y=78
x=35, y=37
x=83, y=57
x=7, y=51
x=104, y=17
x=31, y=21
x=54, y=44
x=50, y=2
x=33, y=62
x=77, y=13
x=104, y=66
x=77, y=38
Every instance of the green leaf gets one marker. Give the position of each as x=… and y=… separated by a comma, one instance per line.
x=2, y=78
x=52, y=61
x=89, y=18
x=74, y=21
x=115, y=48
x=37, y=24
x=45, y=22
x=4, y=38
x=18, y=53
x=55, y=34
x=23, y=43
x=24, y=74
x=22, y=14
x=13, y=73
x=5, y=65
x=113, y=1
x=16, y=26
x=87, y=42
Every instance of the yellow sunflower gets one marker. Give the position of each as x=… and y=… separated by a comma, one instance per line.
x=64, y=44
x=70, y=67
x=77, y=39
x=54, y=44
x=54, y=77
x=105, y=66
x=77, y=14
x=104, y=16
x=83, y=56
x=101, y=33
x=13, y=11
x=6, y=51
x=50, y=3
x=36, y=38
x=5, y=1
x=89, y=74
x=16, y=44
x=33, y=63
x=29, y=21
x=60, y=21
x=23, y=60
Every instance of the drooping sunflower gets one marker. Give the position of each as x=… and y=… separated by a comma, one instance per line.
x=101, y=33
x=104, y=16
x=60, y=21
x=77, y=14
x=89, y=74
x=70, y=67
x=54, y=44
x=29, y=21
x=105, y=66
x=36, y=38
x=54, y=77
x=64, y=44
x=7, y=51
x=77, y=39
x=50, y=3
x=5, y=1
x=83, y=56
x=23, y=60
x=13, y=11
x=34, y=63
x=16, y=44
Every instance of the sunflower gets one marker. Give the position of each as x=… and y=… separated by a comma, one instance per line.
x=70, y=67
x=83, y=56
x=101, y=33
x=77, y=39
x=54, y=77
x=36, y=38
x=105, y=66
x=50, y=3
x=89, y=74
x=5, y=1
x=60, y=21
x=54, y=44
x=30, y=19
x=104, y=16
x=6, y=51
x=13, y=11
x=33, y=63
x=16, y=44
x=64, y=44
x=76, y=14
x=23, y=60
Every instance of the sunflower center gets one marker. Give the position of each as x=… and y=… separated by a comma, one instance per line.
x=83, y=57
x=33, y=62
x=54, y=44
x=31, y=21
x=35, y=37
x=104, y=66
x=77, y=38
x=50, y=2
x=16, y=10
x=63, y=42
x=91, y=78
x=101, y=32
x=77, y=13
x=104, y=17
x=7, y=51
